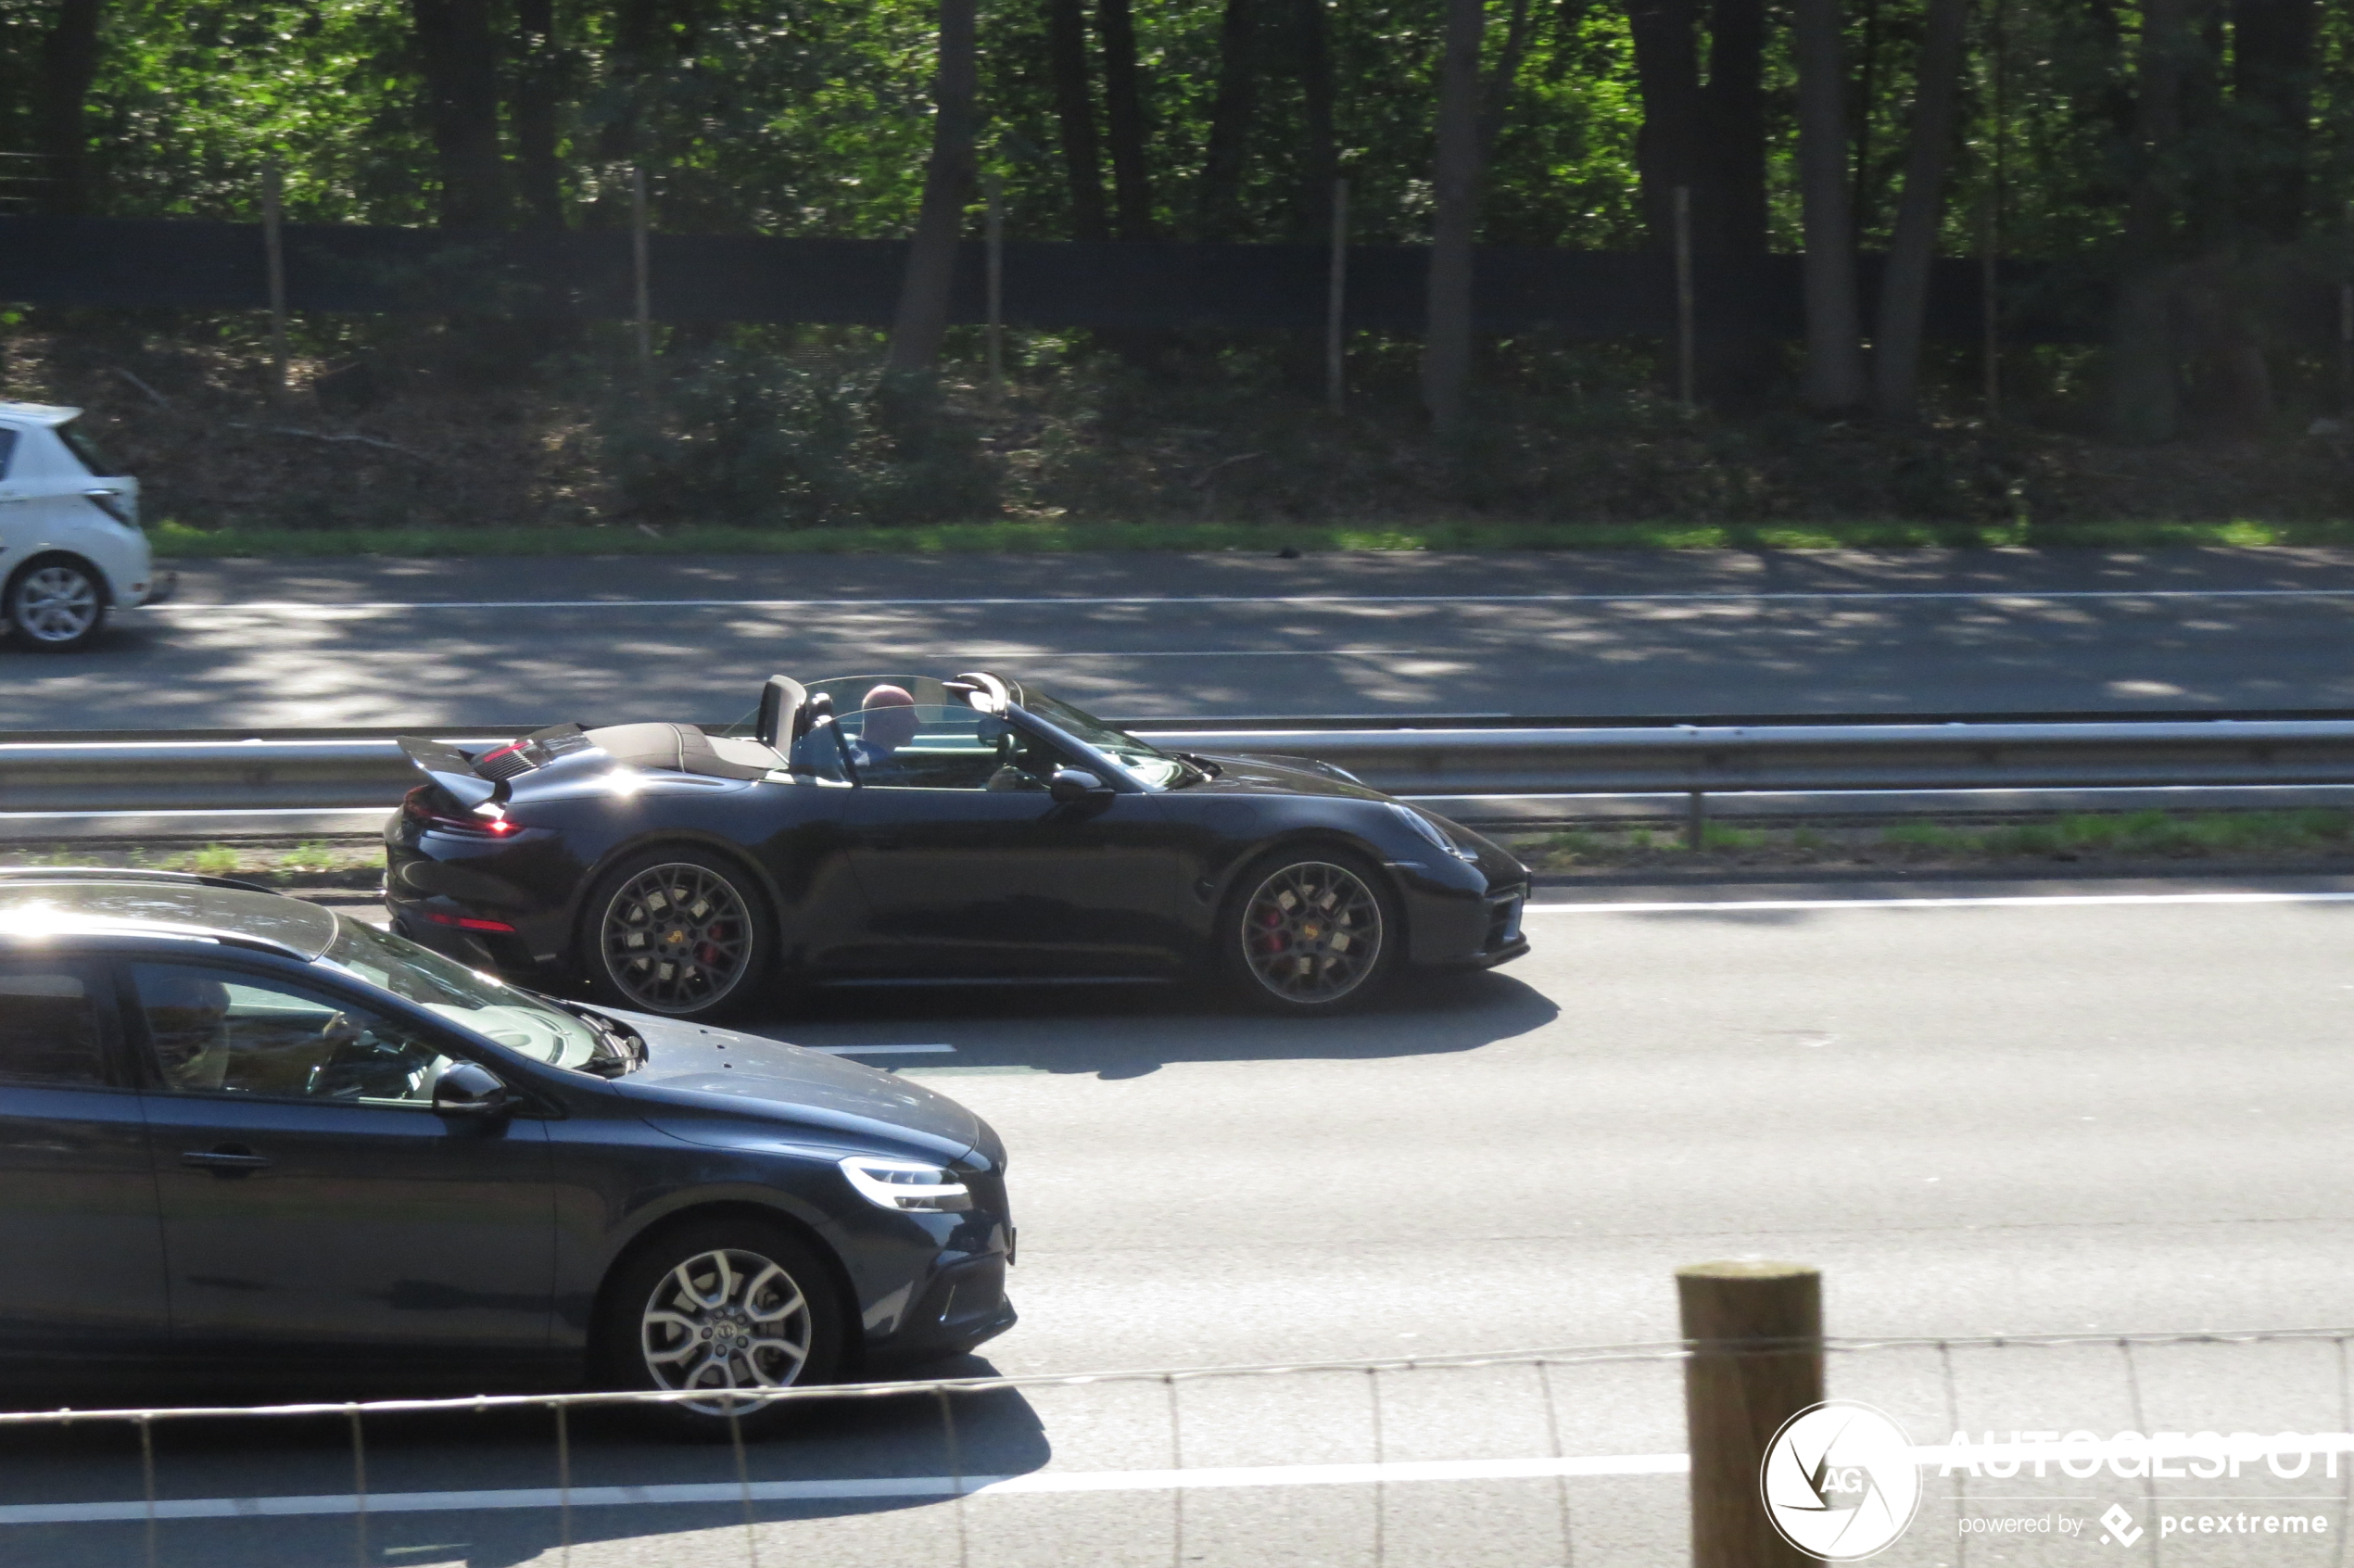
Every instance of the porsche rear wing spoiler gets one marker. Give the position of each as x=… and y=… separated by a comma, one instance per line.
x=472, y=780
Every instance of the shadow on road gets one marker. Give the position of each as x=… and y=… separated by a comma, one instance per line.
x=1126, y=1031
x=476, y=1456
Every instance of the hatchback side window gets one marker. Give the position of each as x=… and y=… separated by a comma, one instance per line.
x=221, y=1031
x=48, y=1026
x=8, y=447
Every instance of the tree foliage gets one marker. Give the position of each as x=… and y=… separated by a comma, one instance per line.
x=1220, y=119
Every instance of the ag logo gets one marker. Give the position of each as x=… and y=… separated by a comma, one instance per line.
x=1838, y=1481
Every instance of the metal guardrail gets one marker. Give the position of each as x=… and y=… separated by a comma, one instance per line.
x=344, y=782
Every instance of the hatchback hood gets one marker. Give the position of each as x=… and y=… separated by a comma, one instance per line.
x=786, y=1082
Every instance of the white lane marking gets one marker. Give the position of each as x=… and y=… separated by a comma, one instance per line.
x=879, y=1050
x=1722, y=596
x=2007, y=902
x=879, y=1486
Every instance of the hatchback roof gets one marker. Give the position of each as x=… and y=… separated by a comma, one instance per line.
x=32, y=901
x=36, y=414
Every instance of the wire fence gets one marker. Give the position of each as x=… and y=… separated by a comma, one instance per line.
x=2030, y=1448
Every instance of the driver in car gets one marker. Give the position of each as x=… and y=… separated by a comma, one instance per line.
x=887, y=720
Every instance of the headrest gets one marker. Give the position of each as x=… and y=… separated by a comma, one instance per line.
x=783, y=713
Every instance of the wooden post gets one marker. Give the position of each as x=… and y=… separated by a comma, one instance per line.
x=1754, y=1332
x=1991, y=306
x=1684, y=297
x=2346, y=325
x=1336, y=303
x=996, y=189
x=638, y=264
x=273, y=252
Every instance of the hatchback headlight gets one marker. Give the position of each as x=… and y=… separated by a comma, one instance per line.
x=1433, y=831
x=908, y=1186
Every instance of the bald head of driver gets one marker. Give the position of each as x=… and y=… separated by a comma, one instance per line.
x=889, y=718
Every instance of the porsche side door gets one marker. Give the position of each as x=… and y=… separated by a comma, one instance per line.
x=972, y=871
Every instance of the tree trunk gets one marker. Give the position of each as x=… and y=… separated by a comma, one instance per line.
x=1447, y=334
x=461, y=108
x=539, y=73
x=2273, y=87
x=1834, y=329
x=1218, y=204
x=1903, y=296
x=922, y=320
x=1496, y=97
x=1075, y=117
x=1318, y=92
x=1667, y=77
x=1124, y=117
x=2144, y=404
x=1733, y=145
x=69, y=64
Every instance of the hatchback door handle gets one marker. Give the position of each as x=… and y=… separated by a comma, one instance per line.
x=230, y=1160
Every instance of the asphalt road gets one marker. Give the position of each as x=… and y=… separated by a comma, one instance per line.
x=525, y=642
x=1980, y=1110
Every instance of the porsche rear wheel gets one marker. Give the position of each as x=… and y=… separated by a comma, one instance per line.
x=679, y=932
x=1315, y=930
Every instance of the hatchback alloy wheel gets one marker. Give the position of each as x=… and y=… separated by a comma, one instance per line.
x=55, y=606
x=726, y=1320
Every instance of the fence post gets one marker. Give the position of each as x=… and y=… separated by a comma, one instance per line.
x=1684, y=297
x=273, y=252
x=995, y=188
x=1335, y=301
x=1991, y=306
x=1754, y=1332
x=639, y=265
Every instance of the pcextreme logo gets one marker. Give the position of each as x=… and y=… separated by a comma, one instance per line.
x=1838, y=1481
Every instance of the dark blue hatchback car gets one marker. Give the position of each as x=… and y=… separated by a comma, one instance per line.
x=238, y=1126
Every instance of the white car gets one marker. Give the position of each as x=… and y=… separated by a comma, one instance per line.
x=70, y=547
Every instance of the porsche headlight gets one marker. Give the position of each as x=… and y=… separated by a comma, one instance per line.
x=908, y=1186
x=1431, y=831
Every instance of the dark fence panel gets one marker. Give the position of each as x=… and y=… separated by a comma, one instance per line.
x=130, y=261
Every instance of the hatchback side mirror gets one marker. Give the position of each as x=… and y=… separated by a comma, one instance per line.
x=470, y=1091
x=1072, y=785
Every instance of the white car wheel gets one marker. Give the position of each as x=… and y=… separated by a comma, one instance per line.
x=57, y=606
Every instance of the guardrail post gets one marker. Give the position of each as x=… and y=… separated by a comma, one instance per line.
x=1754, y=1332
x=1696, y=821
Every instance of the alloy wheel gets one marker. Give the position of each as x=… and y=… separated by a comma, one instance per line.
x=677, y=938
x=726, y=1320
x=1312, y=932
x=55, y=604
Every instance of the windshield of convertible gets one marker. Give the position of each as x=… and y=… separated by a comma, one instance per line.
x=1156, y=767
x=498, y=1012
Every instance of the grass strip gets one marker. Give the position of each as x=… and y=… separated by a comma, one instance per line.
x=2149, y=835
x=178, y=541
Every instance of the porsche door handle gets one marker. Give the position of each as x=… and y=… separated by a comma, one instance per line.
x=230, y=1160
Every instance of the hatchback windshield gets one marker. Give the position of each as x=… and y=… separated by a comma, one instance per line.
x=515, y=1018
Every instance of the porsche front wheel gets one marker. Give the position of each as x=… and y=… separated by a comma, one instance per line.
x=679, y=932
x=1312, y=931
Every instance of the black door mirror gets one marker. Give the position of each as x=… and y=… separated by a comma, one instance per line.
x=1072, y=785
x=469, y=1090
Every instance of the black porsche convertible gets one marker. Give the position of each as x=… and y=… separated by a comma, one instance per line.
x=911, y=829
